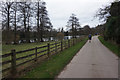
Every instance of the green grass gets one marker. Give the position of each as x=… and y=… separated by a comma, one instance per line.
x=20, y=47
x=114, y=48
x=7, y=49
x=53, y=66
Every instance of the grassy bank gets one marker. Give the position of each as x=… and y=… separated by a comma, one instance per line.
x=53, y=66
x=114, y=48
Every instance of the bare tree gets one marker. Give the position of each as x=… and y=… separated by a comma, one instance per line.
x=42, y=19
x=29, y=20
x=14, y=20
x=19, y=17
x=37, y=11
x=6, y=6
x=26, y=12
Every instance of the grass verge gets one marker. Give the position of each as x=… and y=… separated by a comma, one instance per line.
x=52, y=67
x=114, y=48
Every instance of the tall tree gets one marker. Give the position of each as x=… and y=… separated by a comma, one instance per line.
x=25, y=14
x=73, y=25
x=29, y=20
x=43, y=21
x=6, y=11
x=14, y=20
x=37, y=16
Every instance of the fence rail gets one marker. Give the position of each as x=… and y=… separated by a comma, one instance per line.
x=47, y=50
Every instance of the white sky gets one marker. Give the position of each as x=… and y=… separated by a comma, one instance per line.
x=60, y=10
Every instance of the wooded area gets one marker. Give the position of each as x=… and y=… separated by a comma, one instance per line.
x=24, y=20
x=111, y=15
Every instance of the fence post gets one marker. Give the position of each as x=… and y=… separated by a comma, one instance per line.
x=68, y=43
x=36, y=54
x=65, y=44
x=48, y=50
x=55, y=47
x=79, y=40
x=76, y=40
x=73, y=41
x=13, y=62
x=61, y=45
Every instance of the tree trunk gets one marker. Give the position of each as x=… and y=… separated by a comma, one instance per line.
x=41, y=33
x=38, y=28
x=15, y=29
x=8, y=26
x=28, y=32
x=25, y=31
x=41, y=29
x=72, y=31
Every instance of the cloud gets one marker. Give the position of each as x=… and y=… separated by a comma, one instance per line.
x=60, y=10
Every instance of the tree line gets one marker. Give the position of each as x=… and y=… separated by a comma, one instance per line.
x=111, y=15
x=30, y=20
x=23, y=20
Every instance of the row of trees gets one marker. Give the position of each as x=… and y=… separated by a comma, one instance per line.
x=28, y=21
x=111, y=14
x=21, y=20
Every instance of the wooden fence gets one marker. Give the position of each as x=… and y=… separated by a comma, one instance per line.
x=48, y=50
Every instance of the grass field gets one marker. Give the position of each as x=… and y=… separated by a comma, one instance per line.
x=52, y=67
x=7, y=49
x=20, y=47
x=114, y=48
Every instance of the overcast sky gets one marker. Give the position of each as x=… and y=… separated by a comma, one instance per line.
x=60, y=10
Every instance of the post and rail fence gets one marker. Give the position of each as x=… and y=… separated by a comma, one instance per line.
x=47, y=50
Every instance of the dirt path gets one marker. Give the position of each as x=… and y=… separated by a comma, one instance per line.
x=93, y=61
